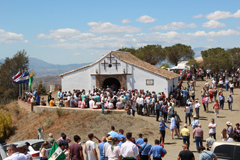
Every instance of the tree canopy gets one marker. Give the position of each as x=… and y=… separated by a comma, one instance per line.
x=10, y=67
x=216, y=59
x=235, y=55
x=178, y=52
x=152, y=54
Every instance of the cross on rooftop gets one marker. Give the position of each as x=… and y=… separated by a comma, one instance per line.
x=110, y=58
x=104, y=63
x=116, y=64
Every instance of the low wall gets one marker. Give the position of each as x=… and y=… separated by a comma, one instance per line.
x=40, y=108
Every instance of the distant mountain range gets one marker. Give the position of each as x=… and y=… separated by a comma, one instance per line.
x=41, y=68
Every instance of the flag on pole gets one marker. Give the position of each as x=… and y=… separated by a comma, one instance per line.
x=16, y=76
x=56, y=153
x=24, y=78
x=30, y=80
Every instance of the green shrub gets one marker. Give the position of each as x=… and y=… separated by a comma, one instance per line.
x=59, y=112
x=5, y=125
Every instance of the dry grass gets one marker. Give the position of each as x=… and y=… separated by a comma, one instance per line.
x=81, y=123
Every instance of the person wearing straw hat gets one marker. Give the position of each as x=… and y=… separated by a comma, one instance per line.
x=230, y=101
x=106, y=145
x=197, y=105
x=185, y=133
x=229, y=128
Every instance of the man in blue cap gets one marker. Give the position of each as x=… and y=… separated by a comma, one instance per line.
x=67, y=139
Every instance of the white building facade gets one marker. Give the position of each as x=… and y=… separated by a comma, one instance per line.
x=122, y=70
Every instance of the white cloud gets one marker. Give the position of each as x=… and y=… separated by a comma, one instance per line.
x=125, y=21
x=213, y=24
x=222, y=15
x=77, y=54
x=10, y=37
x=198, y=16
x=107, y=27
x=221, y=33
x=212, y=40
x=174, y=26
x=146, y=19
x=238, y=27
x=63, y=35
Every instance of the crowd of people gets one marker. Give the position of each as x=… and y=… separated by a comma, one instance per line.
x=117, y=146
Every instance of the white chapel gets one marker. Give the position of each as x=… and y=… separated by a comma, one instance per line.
x=123, y=70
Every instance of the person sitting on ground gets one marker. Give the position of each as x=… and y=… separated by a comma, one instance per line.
x=43, y=102
x=205, y=154
x=61, y=104
x=52, y=102
x=91, y=103
x=119, y=104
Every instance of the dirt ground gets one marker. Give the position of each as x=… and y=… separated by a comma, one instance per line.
x=26, y=123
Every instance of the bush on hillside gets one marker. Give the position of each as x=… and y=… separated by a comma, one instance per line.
x=5, y=125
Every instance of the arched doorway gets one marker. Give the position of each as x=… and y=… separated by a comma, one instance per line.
x=112, y=83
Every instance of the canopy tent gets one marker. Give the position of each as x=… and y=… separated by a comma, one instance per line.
x=182, y=65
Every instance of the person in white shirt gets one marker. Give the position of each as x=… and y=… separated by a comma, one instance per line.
x=128, y=149
x=212, y=129
x=90, y=148
x=141, y=103
x=13, y=154
x=197, y=105
x=91, y=103
x=188, y=113
x=114, y=151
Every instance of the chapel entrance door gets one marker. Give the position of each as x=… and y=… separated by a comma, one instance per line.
x=112, y=83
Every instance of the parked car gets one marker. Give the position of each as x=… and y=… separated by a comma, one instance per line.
x=33, y=149
x=2, y=153
x=226, y=150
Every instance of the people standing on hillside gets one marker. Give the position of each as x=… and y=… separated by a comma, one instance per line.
x=221, y=100
x=185, y=154
x=61, y=138
x=230, y=101
x=173, y=126
x=43, y=152
x=100, y=147
x=212, y=129
x=197, y=106
x=140, y=139
x=231, y=87
x=13, y=154
x=75, y=149
x=114, y=151
x=198, y=136
x=188, y=113
x=229, y=128
x=90, y=148
x=22, y=148
x=224, y=134
x=50, y=139
x=216, y=108
x=215, y=91
x=49, y=97
x=185, y=133
x=162, y=127
x=106, y=145
x=40, y=133
x=112, y=132
x=145, y=150
x=157, y=151
x=206, y=155
x=128, y=149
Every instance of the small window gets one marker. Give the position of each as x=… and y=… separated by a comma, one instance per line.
x=224, y=151
x=237, y=153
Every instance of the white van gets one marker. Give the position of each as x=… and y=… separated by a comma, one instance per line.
x=226, y=150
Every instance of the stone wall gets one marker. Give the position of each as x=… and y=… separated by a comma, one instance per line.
x=40, y=108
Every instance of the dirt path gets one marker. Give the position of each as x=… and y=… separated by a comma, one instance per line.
x=173, y=147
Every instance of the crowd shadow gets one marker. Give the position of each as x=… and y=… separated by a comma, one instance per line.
x=203, y=118
x=221, y=116
x=170, y=143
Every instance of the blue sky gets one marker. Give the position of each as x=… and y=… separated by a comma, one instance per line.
x=66, y=32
